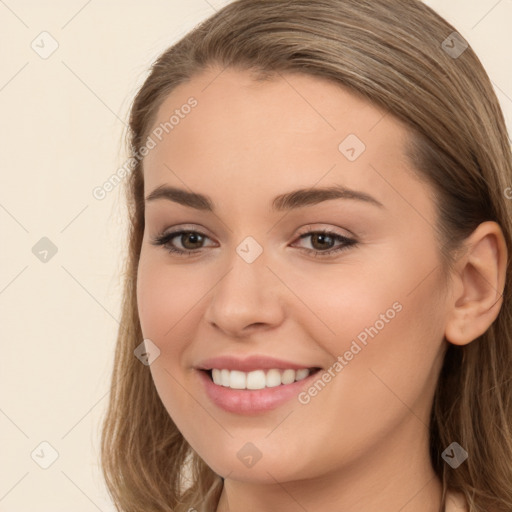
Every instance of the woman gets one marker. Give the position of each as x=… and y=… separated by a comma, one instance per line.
x=318, y=284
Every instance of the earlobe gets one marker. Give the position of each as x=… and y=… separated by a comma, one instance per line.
x=480, y=279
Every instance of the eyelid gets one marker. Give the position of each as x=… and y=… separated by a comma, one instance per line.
x=186, y=228
x=164, y=238
x=307, y=229
x=322, y=227
x=178, y=231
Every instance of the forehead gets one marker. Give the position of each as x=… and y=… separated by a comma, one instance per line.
x=289, y=106
x=294, y=129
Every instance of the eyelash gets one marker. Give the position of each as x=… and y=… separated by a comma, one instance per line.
x=165, y=238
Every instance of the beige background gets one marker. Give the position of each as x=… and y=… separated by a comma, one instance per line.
x=62, y=121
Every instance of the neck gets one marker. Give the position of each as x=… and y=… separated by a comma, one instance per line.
x=394, y=475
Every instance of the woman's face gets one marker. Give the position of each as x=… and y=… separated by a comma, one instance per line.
x=257, y=283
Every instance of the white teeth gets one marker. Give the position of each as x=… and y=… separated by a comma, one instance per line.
x=237, y=379
x=224, y=377
x=257, y=379
x=288, y=376
x=302, y=374
x=273, y=378
x=216, y=376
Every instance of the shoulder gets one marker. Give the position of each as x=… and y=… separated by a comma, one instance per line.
x=456, y=502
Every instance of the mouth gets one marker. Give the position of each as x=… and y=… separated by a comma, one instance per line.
x=253, y=384
x=257, y=391
x=258, y=379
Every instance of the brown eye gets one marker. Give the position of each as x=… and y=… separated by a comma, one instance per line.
x=191, y=240
x=323, y=243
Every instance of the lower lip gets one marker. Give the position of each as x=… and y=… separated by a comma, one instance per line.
x=252, y=401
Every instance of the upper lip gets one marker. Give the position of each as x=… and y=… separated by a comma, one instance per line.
x=251, y=363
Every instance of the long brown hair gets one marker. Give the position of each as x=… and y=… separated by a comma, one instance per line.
x=393, y=53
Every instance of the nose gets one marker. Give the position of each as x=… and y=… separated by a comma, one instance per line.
x=247, y=297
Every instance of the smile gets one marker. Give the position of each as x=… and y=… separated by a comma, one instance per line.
x=246, y=399
x=258, y=379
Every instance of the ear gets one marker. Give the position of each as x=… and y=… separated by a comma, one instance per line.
x=479, y=280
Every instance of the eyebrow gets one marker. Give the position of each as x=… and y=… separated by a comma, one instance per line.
x=284, y=202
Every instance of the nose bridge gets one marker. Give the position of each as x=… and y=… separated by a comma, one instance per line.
x=247, y=293
x=248, y=277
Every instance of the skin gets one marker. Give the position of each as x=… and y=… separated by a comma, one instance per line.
x=362, y=442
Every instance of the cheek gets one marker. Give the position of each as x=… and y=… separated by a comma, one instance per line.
x=387, y=327
x=384, y=382
x=390, y=302
x=398, y=338
x=165, y=295
x=165, y=300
